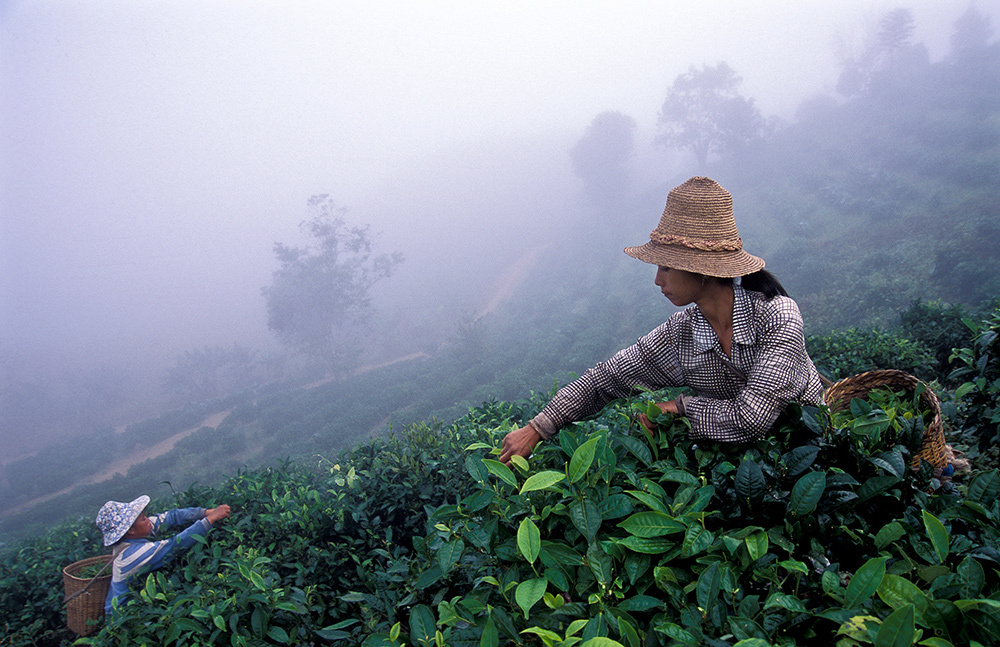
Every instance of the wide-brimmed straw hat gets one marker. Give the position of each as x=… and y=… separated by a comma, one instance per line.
x=697, y=233
x=115, y=518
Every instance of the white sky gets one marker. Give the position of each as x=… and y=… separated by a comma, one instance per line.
x=153, y=150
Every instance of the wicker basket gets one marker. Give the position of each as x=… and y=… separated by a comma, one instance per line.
x=838, y=397
x=89, y=604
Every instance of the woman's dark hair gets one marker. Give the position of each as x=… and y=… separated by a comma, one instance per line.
x=764, y=282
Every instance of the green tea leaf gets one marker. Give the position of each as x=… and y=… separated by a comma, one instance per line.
x=898, y=629
x=520, y=462
x=891, y=462
x=865, y=582
x=898, y=591
x=258, y=580
x=964, y=389
x=985, y=488
x=554, y=552
x=422, y=627
x=638, y=447
x=679, y=476
x=889, y=533
x=450, y=553
x=648, y=546
x=651, y=524
x=476, y=469
x=651, y=500
x=490, y=637
x=938, y=535
x=709, y=585
x=601, y=641
x=277, y=634
x=501, y=471
x=874, y=486
x=971, y=577
x=831, y=585
x=600, y=564
x=616, y=506
x=586, y=518
x=750, y=484
x=542, y=480
x=794, y=566
x=582, y=459
x=529, y=540
x=800, y=459
x=529, y=592
x=696, y=539
x=871, y=425
x=757, y=545
x=641, y=603
x=627, y=631
x=806, y=494
x=785, y=601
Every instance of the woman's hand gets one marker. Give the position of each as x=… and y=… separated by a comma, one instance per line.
x=217, y=514
x=519, y=442
x=665, y=407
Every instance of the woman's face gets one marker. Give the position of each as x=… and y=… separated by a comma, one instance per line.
x=682, y=288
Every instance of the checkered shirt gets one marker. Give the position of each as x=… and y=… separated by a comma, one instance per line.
x=736, y=399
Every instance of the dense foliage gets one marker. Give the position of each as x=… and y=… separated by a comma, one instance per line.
x=819, y=533
x=816, y=535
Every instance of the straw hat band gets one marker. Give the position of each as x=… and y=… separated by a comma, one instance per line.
x=705, y=245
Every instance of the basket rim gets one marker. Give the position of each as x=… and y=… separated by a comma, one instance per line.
x=70, y=570
x=832, y=397
x=839, y=395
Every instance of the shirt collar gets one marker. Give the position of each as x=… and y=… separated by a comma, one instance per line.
x=743, y=334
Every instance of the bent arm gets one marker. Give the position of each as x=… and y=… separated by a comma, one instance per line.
x=782, y=372
x=151, y=555
x=176, y=517
x=650, y=363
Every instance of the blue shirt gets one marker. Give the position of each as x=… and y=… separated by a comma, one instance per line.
x=137, y=556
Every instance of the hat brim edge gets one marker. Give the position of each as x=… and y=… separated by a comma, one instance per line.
x=718, y=264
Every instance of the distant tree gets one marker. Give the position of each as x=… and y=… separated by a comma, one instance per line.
x=603, y=157
x=211, y=372
x=879, y=51
x=705, y=113
x=972, y=33
x=321, y=290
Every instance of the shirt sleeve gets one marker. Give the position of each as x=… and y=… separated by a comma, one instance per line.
x=176, y=518
x=650, y=363
x=781, y=373
x=151, y=555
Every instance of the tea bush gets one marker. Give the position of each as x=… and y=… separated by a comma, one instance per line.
x=848, y=352
x=979, y=394
x=819, y=534
x=810, y=534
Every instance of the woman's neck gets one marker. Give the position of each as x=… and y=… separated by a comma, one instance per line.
x=716, y=305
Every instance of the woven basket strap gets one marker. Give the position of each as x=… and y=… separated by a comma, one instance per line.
x=92, y=580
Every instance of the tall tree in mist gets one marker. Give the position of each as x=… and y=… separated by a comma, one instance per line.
x=320, y=294
x=972, y=34
x=603, y=157
x=879, y=51
x=705, y=113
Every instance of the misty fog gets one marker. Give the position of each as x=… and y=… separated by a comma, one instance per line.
x=154, y=152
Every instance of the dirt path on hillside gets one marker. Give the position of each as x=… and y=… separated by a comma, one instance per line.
x=122, y=465
x=512, y=279
x=508, y=283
